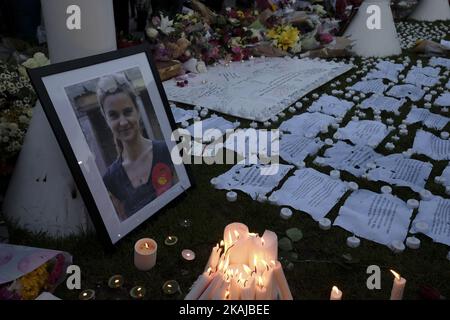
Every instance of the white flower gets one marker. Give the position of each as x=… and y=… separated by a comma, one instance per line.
x=152, y=33
x=201, y=67
x=41, y=59
x=166, y=25
x=23, y=119
x=30, y=63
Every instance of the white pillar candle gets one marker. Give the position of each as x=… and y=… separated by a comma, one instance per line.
x=325, y=224
x=261, y=290
x=145, y=254
x=353, y=242
x=214, y=258
x=335, y=294
x=398, y=286
x=273, y=199
x=281, y=282
x=235, y=290
x=285, y=213
x=239, y=250
x=421, y=226
x=248, y=289
x=413, y=243
x=214, y=284
x=199, y=286
x=233, y=232
x=231, y=196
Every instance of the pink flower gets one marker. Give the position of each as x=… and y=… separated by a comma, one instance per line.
x=326, y=38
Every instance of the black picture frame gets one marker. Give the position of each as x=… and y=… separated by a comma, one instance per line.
x=49, y=96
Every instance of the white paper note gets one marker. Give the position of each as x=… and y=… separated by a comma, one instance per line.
x=380, y=102
x=436, y=213
x=255, y=89
x=331, y=105
x=386, y=70
x=410, y=91
x=426, y=76
x=353, y=159
x=308, y=124
x=311, y=191
x=429, y=119
x=370, y=86
x=365, y=132
x=439, y=62
x=254, y=180
x=253, y=141
x=401, y=171
x=382, y=218
x=428, y=144
x=181, y=115
x=295, y=148
x=443, y=100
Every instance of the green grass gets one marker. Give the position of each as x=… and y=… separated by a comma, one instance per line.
x=320, y=263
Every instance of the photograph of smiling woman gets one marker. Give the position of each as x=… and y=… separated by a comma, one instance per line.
x=143, y=169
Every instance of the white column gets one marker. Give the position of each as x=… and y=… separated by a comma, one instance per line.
x=372, y=42
x=42, y=196
x=432, y=10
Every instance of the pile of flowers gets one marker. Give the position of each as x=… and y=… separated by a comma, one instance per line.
x=29, y=286
x=236, y=34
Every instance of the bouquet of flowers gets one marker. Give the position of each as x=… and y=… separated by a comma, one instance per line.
x=29, y=286
x=17, y=98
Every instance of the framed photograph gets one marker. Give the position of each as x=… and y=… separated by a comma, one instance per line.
x=113, y=123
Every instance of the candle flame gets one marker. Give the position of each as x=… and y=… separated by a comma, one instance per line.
x=265, y=264
x=252, y=234
x=396, y=275
x=139, y=289
x=260, y=281
x=146, y=245
x=262, y=241
x=273, y=262
x=84, y=294
x=169, y=285
x=247, y=269
x=222, y=243
x=227, y=294
x=335, y=290
x=116, y=281
x=236, y=234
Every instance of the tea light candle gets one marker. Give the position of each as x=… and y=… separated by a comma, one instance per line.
x=115, y=281
x=425, y=195
x=214, y=182
x=188, y=255
x=421, y=226
x=395, y=138
x=377, y=118
x=292, y=109
x=335, y=125
x=335, y=174
x=439, y=179
x=324, y=129
x=231, y=196
x=281, y=115
x=397, y=246
x=300, y=164
x=87, y=294
x=390, y=146
x=253, y=125
x=261, y=198
x=325, y=224
x=386, y=189
x=298, y=105
x=171, y=287
x=329, y=142
x=398, y=286
x=285, y=213
x=273, y=199
x=266, y=124
x=445, y=135
x=353, y=186
x=336, y=135
x=274, y=119
x=145, y=254
x=335, y=294
x=413, y=243
x=355, y=118
x=319, y=161
x=171, y=240
x=403, y=132
x=137, y=292
x=412, y=204
x=185, y=124
x=353, y=242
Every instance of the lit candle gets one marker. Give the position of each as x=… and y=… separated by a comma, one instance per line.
x=248, y=289
x=215, y=283
x=188, y=255
x=87, y=294
x=281, y=282
x=171, y=287
x=145, y=254
x=200, y=285
x=137, y=292
x=214, y=258
x=336, y=294
x=261, y=290
x=170, y=241
x=235, y=289
x=115, y=281
x=398, y=286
